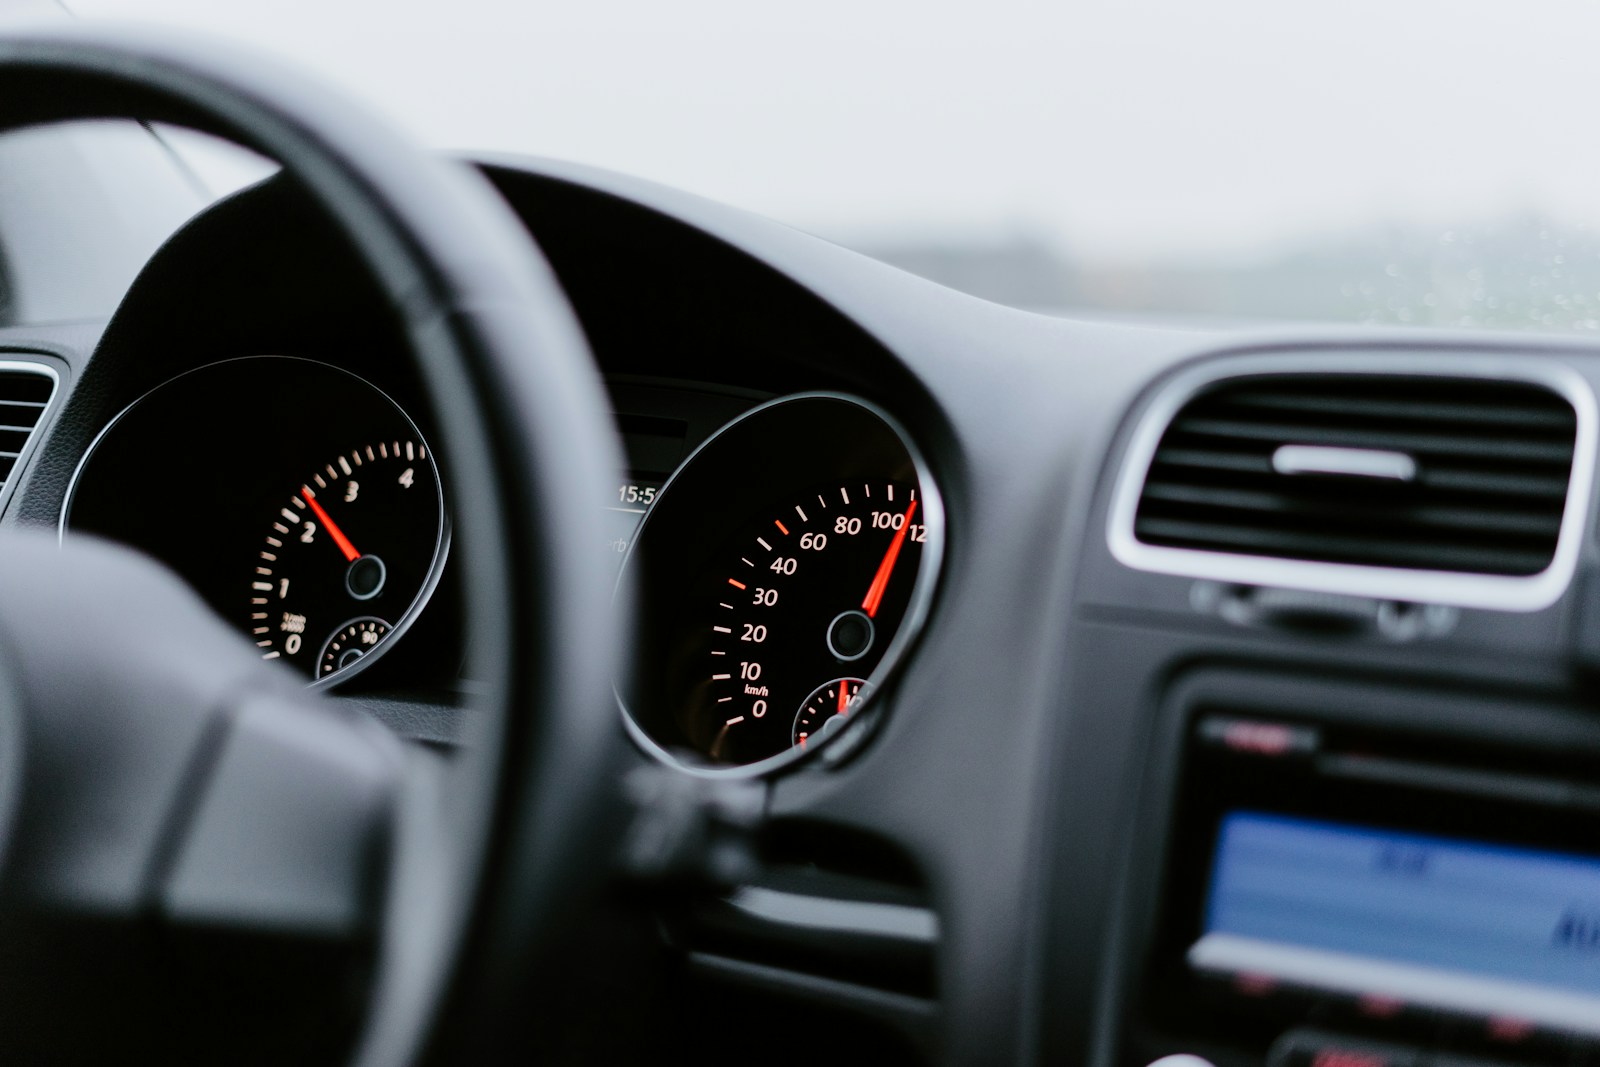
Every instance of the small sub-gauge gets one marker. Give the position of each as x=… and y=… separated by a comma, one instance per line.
x=350, y=643
x=828, y=709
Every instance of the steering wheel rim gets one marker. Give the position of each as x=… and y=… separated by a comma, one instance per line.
x=490, y=847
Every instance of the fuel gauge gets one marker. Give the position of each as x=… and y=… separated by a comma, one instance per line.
x=828, y=709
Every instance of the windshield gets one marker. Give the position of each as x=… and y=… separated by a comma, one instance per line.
x=1389, y=162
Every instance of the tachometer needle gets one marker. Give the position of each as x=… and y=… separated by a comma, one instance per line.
x=880, y=581
x=844, y=697
x=349, y=550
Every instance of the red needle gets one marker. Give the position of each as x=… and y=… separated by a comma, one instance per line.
x=844, y=696
x=880, y=581
x=349, y=550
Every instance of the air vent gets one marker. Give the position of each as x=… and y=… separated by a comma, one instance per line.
x=1360, y=480
x=25, y=391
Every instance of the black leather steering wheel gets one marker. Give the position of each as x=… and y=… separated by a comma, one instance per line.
x=202, y=861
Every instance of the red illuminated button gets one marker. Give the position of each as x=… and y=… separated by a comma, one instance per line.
x=1253, y=737
x=1304, y=1048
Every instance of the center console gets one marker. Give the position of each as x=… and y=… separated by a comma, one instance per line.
x=1369, y=884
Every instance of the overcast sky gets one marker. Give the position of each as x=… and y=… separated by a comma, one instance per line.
x=1129, y=127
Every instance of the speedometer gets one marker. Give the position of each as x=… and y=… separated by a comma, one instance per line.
x=813, y=593
x=784, y=571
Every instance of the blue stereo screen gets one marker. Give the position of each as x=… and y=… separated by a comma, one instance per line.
x=1477, y=927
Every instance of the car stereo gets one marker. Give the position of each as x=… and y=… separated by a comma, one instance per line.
x=1344, y=896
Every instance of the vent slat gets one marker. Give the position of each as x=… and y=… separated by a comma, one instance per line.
x=1352, y=550
x=1233, y=472
x=1431, y=411
x=1493, y=458
x=1283, y=433
x=1281, y=507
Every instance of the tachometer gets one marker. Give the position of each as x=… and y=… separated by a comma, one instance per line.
x=783, y=570
x=355, y=540
x=298, y=499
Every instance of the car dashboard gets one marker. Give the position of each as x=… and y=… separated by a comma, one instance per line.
x=1185, y=691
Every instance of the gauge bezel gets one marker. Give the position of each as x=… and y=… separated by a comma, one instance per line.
x=918, y=609
x=441, y=547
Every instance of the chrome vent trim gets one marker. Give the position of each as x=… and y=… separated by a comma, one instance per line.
x=26, y=392
x=1532, y=592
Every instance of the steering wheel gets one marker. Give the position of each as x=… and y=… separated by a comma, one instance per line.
x=199, y=859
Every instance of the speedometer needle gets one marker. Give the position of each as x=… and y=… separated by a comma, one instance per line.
x=349, y=550
x=880, y=581
x=844, y=697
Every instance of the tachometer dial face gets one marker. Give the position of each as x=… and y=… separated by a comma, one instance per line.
x=300, y=501
x=783, y=572
x=356, y=536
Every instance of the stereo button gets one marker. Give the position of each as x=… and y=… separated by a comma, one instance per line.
x=1304, y=1048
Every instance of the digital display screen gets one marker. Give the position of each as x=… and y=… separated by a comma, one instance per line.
x=630, y=500
x=1483, y=929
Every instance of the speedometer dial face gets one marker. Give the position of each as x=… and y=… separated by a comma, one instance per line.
x=298, y=499
x=783, y=573
x=818, y=590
